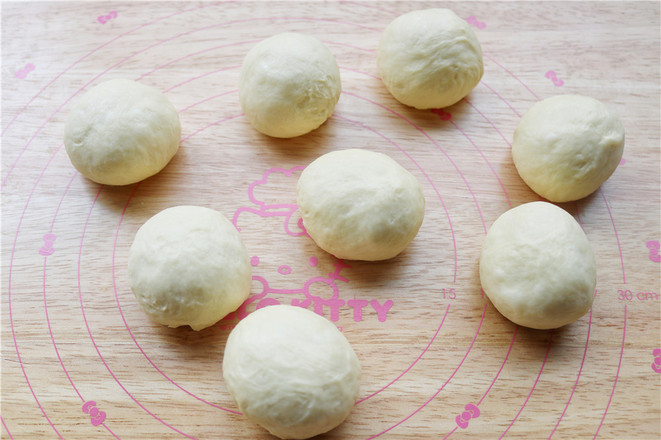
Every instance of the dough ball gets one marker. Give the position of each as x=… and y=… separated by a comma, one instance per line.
x=537, y=266
x=566, y=146
x=121, y=132
x=188, y=266
x=360, y=205
x=429, y=58
x=289, y=85
x=291, y=371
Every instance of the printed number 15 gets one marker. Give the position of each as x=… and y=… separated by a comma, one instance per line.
x=449, y=293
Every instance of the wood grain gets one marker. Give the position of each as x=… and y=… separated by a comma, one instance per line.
x=74, y=338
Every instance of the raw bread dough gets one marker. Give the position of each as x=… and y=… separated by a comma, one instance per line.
x=360, y=205
x=289, y=85
x=121, y=132
x=188, y=266
x=566, y=146
x=429, y=58
x=537, y=266
x=291, y=371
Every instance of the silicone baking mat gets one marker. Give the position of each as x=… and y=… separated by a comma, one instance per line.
x=81, y=360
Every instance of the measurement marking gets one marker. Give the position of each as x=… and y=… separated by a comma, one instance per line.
x=195, y=78
x=9, y=288
x=580, y=369
x=490, y=123
x=220, y=121
x=121, y=311
x=654, y=247
x=500, y=182
x=548, y=348
x=9, y=296
x=89, y=330
x=470, y=347
x=193, y=54
x=617, y=374
x=6, y=428
x=48, y=321
x=205, y=100
x=414, y=362
x=509, y=350
x=502, y=99
x=628, y=295
x=512, y=75
x=617, y=238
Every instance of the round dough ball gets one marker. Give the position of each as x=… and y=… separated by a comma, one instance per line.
x=188, y=266
x=360, y=205
x=566, y=146
x=121, y=132
x=429, y=58
x=291, y=371
x=537, y=266
x=289, y=85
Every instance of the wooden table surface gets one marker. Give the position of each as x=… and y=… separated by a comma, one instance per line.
x=81, y=361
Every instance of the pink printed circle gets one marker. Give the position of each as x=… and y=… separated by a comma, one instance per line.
x=284, y=270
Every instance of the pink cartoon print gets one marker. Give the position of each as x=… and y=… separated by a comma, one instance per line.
x=321, y=290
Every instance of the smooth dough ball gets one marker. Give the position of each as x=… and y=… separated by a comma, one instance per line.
x=291, y=371
x=429, y=58
x=566, y=146
x=537, y=266
x=289, y=85
x=121, y=132
x=188, y=266
x=360, y=205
